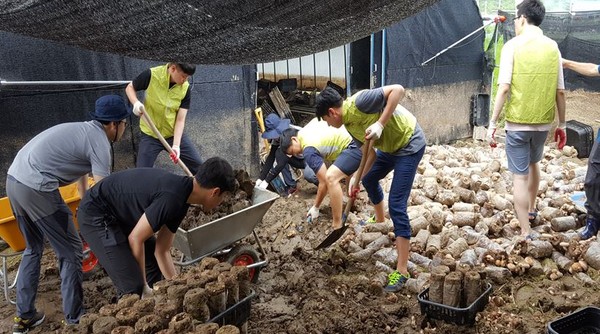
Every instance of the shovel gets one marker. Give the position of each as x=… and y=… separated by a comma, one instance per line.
x=337, y=233
x=148, y=120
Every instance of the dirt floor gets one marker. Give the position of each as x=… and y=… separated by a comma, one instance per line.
x=306, y=291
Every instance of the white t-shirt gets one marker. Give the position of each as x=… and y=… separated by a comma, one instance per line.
x=505, y=77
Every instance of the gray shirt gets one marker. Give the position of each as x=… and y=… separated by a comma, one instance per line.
x=372, y=101
x=61, y=155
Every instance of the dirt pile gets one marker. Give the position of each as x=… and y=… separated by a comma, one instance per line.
x=180, y=305
x=239, y=201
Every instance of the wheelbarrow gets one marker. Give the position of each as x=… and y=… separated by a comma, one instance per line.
x=216, y=237
x=11, y=234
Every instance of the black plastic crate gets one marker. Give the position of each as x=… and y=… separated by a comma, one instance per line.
x=580, y=136
x=237, y=314
x=583, y=321
x=455, y=315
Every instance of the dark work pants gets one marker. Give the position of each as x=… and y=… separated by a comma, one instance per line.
x=592, y=181
x=110, y=245
x=150, y=147
x=45, y=215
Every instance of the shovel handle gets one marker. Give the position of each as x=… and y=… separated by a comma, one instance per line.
x=366, y=148
x=160, y=137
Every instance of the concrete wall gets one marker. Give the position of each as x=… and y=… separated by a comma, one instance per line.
x=443, y=111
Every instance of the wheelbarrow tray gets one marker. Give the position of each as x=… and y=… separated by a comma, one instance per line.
x=9, y=227
x=217, y=234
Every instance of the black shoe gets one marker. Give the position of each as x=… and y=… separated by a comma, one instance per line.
x=24, y=325
x=591, y=228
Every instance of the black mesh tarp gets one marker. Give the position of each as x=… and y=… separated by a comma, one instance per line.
x=205, y=32
x=414, y=40
x=578, y=38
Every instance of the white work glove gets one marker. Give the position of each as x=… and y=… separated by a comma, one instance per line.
x=312, y=214
x=374, y=131
x=138, y=108
x=352, y=192
x=147, y=293
x=175, y=155
x=491, y=134
x=263, y=185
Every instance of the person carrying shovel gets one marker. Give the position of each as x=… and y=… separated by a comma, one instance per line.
x=58, y=156
x=167, y=102
x=319, y=145
x=400, y=142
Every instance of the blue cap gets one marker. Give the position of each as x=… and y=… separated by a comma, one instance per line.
x=274, y=126
x=110, y=108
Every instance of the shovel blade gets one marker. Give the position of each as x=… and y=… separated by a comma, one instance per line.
x=332, y=237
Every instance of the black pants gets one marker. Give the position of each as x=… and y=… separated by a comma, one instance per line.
x=592, y=181
x=110, y=245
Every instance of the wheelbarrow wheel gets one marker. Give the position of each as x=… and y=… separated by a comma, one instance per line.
x=244, y=255
x=89, y=264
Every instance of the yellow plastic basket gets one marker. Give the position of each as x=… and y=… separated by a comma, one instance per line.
x=9, y=228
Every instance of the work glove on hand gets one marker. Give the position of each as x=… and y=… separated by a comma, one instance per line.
x=312, y=214
x=138, y=108
x=560, y=135
x=263, y=185
x=175, y=154
x=374, y=131
x=491, y=134
x=352, y=192
x=147, y=292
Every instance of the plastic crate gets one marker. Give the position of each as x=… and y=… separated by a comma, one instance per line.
x=455, y=315
x=237, y=314
x=583, y=321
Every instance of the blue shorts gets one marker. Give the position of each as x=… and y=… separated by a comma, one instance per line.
x=349, y=160
x=524, y=148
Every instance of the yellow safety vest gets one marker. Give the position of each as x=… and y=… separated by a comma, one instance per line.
x=534, y=79
x=396, y=133
x=162, y=102
x=330, y=142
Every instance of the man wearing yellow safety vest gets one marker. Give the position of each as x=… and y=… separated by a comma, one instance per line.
x=167, y=102
x=530, y=69
x=320, y=144
x=400, y=142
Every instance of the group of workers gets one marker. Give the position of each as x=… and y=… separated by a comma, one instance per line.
x=130, y=224
x=129, y=218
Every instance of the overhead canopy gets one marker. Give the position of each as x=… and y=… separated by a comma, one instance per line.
x=205, y=32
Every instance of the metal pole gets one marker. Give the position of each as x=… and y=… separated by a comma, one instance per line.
x=495, y=20
x=347, y=71
x=371, y=61
x=315, y=70
x=48, y=83
x=383, y=59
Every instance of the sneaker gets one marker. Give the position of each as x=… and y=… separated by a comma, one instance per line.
x=591, y=228
x=396, y=281
x=370, y=220
x=24, y=325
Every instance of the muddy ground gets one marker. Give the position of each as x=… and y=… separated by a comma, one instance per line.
x=307, y=291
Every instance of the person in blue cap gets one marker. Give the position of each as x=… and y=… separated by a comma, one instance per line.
x=61, y=155
x=274, y=127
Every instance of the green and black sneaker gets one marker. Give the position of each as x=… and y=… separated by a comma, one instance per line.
x=396, y=281
x=22, y=325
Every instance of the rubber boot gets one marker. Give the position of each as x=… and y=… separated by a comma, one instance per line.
x=591, y=228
